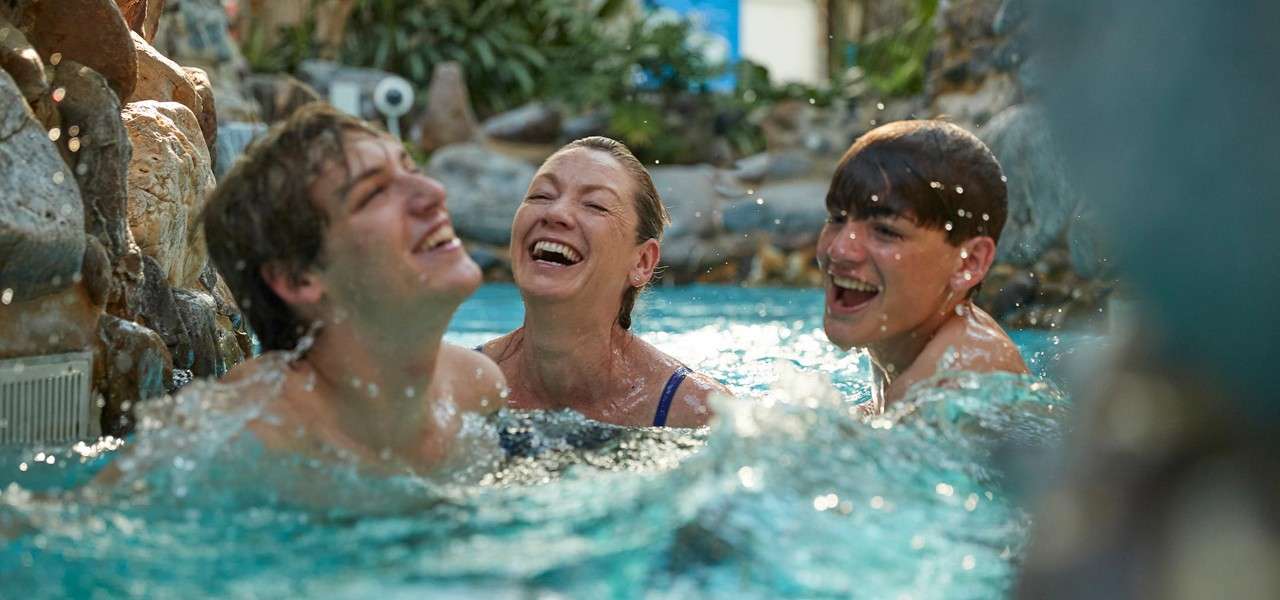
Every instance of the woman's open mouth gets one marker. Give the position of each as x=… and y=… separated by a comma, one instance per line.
x=554, y=253
x=850, y=295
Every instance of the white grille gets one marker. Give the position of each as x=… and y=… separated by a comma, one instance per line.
x=45, y=399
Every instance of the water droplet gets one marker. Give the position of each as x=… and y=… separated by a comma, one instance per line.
x=58, y=177
x=948, y=226
x=968, y=562
x=657, y=162
x=853, y=236
x=1004, y=179
x=49, y=459
x=971, y=503
x=968, y=276
x=759, y=201
x=873, y=122
x=59, y=94
x=55, y=134
x=55, y=58
x=409, y=392
x=944, y=489
x=777, y=221
x=877, y=502
x=22, y=467
x=986, y=217
x=812, y=101
x=959, y=190
x=6, y=296
x=897, y=257
x=73, y=130
x=875, y=198
x=937, y=185
x=879, y=106
x=73, y=144
x=917, y=542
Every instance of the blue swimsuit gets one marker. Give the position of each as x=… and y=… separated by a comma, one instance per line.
x=668, y=392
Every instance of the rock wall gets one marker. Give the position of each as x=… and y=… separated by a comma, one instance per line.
x=100, y=244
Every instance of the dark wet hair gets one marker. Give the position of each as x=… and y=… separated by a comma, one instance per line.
x=649, y=207
x=263, y=213
x=932, y=172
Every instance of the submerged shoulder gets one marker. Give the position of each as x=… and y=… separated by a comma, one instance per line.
x=976, y=343
x=478, y=382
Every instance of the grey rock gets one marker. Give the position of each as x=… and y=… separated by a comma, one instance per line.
x=159, y=312
x=448, y=118
x=533, y=123
x=792, y=212
x=41, y=215
x=691, y=196
x=595, y=123
x=19, y=59
x=233, y=138
x=134, y=367
x=91, y=110
x=784, y=164
x=1041, y=199
x=198, y=311
x=484, y=189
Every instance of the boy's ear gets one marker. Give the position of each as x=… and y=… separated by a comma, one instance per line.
x=293, y=288
x=976, y=256
x=642, y=271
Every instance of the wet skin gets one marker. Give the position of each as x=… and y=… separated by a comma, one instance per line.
x=377, y=381
x=570, y=352
x=899, y=290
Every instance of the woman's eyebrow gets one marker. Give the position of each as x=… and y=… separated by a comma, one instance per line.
x=586, y=189
x=351, y=183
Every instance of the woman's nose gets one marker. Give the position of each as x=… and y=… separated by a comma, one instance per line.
x=558, y=213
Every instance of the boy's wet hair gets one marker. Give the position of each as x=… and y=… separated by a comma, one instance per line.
x=263, y=213
x=932, y=172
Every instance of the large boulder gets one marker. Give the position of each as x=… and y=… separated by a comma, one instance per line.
x=61, y=321
x=20, y=59
x=449, y=119
x=161, y=79
x=170, y=177
x=131, y=365
x=100, y=151
x=485, y=189
x=791, y=212
x=1041, y=199
x=533, y=123
x=41, y=215
x=90, y=32
x=159, y=312
x=692, y=195
x=198, y=311
x=208, y=115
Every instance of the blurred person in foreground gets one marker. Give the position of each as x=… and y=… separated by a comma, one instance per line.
x=584, y=242
x=343, y=257
x=915, y=209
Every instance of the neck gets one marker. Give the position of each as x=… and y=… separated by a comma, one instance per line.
x=565, y=357
x=377, y=384
x=893, y=356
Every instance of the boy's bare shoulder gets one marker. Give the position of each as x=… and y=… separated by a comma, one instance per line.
x=478, y=382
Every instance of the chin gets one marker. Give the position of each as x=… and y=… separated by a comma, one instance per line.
x=844, y=335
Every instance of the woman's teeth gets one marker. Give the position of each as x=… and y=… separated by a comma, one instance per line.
x=854, y=284
x=554, y=250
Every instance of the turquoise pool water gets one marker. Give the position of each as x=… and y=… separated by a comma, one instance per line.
x=787, y=495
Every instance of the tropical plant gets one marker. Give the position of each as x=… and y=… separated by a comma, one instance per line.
x=893, y=60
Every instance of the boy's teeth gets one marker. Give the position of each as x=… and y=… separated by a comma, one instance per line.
x=561, y=249
x=854, y=284
x=442, y=235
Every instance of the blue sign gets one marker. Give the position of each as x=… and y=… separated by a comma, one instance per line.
x=716, y=22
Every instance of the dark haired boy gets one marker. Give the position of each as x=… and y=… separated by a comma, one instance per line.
x=914, y=212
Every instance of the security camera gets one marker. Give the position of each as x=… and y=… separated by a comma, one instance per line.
x=393, y=97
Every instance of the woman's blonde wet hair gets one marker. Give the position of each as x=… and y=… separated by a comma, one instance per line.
x=652, y=213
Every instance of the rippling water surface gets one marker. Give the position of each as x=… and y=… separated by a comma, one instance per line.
x=789, y=493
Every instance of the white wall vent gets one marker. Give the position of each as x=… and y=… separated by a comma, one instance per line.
x=45, y=399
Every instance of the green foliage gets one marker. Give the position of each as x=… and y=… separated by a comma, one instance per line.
x=893, y=60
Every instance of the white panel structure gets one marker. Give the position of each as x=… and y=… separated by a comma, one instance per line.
x=784, y=35
x=45, y=399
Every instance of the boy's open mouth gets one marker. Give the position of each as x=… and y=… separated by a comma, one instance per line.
x=554, y=252
x=443, y=237
x=852, y=294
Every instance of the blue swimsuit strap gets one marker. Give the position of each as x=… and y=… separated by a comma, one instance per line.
x=669, y=392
